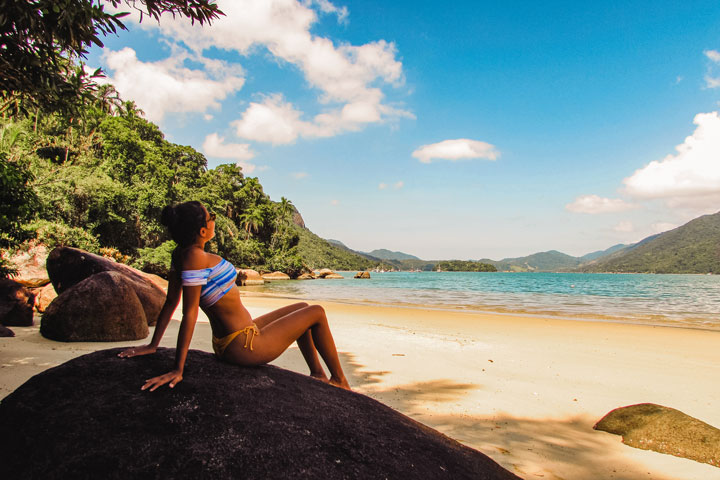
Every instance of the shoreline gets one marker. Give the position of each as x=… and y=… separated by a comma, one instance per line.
x=501, y=311
x=524, y=390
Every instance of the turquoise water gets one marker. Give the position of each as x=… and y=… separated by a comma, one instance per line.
x=677, y=300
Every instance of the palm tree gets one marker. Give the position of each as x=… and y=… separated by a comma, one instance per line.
x=107, y=99
x=253, y=189
x=285, y=210
x=252, y=220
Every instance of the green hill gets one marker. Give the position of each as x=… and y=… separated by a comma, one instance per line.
x=319, y=253
x=552, y=261
x=691, y=248
x=385, y=254
x=588, y=257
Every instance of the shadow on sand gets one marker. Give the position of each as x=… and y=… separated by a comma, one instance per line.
x=532, y=448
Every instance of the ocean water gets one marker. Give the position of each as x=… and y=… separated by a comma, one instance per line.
x=672, y=300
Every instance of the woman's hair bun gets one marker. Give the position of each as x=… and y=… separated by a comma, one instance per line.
x=168, y=216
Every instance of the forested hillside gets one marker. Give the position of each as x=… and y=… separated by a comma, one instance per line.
x=100, y=179
x=691, y=248
x=320, y=253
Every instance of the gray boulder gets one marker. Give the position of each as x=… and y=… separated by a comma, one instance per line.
x=665, y=430
x=102, y=308
x=69, y=266
x=16, y=304
x=88, y=418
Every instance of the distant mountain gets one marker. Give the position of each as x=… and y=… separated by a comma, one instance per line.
x=319, y=253
x=601, y=253
x=691, y=248
x=552, y=261
x=388, y=255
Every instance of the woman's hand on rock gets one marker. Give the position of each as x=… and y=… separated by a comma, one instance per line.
x=171, y=378
x=135, y=351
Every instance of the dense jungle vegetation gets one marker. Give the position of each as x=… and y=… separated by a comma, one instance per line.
x=464, y=266
x=98, y=180
x=80, y=167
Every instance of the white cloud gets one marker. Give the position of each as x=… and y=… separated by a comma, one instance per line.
x=348, y=77
x=624, y=227
x=215, y=146
x=327, y=7
x=712, y=82
x=167, y=86
x=691, y=176
x=299, y=175
x=273, y=121
x=207, y=117
x=334, y=202
x=397, y=185
x=459, y=149
x=594, y=204
x=713, y=55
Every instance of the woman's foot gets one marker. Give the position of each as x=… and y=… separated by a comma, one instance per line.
x=320, y=376
x=340, y=382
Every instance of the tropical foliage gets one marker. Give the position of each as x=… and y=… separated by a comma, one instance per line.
x=100, y=180
x=319, y=253
x=42, y=41
x=691, y=248
x=464, y=266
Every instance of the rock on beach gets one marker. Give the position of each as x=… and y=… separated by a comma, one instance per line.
x=665, y=430
x=16, y=304
x=88, y=418
x=68, y=266
x=248, y=276
x=276, y=276
x=101, y=308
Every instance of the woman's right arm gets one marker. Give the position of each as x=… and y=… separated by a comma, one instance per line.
x=171, y=303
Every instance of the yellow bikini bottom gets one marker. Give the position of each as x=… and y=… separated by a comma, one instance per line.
x=220, y=344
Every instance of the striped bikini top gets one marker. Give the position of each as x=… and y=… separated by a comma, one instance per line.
x=215, y=281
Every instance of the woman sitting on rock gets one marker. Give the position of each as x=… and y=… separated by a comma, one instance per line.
x=207, y=281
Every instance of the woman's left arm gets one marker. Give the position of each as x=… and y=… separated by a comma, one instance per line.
x=191, y=305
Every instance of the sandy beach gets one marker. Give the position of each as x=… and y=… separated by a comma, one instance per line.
x=524, y=390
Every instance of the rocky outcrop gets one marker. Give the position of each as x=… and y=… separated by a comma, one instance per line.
x=323, y=272
x=275, y=276
x=30, y=266
x=44, y=296
x=101, y=308
x=70, y=266
x=665, y=430
x=362, y=275
x=88, y=418
x=336, y=276
x=306, y=276
x=16, y=304
x=248, y=276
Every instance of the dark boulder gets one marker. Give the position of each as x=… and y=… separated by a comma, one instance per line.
x=6, y=332
x=102, y=308
x=68, y=266
x=665, y=430
x=88, y=418
x=16, y=304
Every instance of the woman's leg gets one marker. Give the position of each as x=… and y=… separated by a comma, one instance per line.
x=304, y=342
x=278, y=335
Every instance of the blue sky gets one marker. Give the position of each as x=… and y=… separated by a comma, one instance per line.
x=470, y=130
